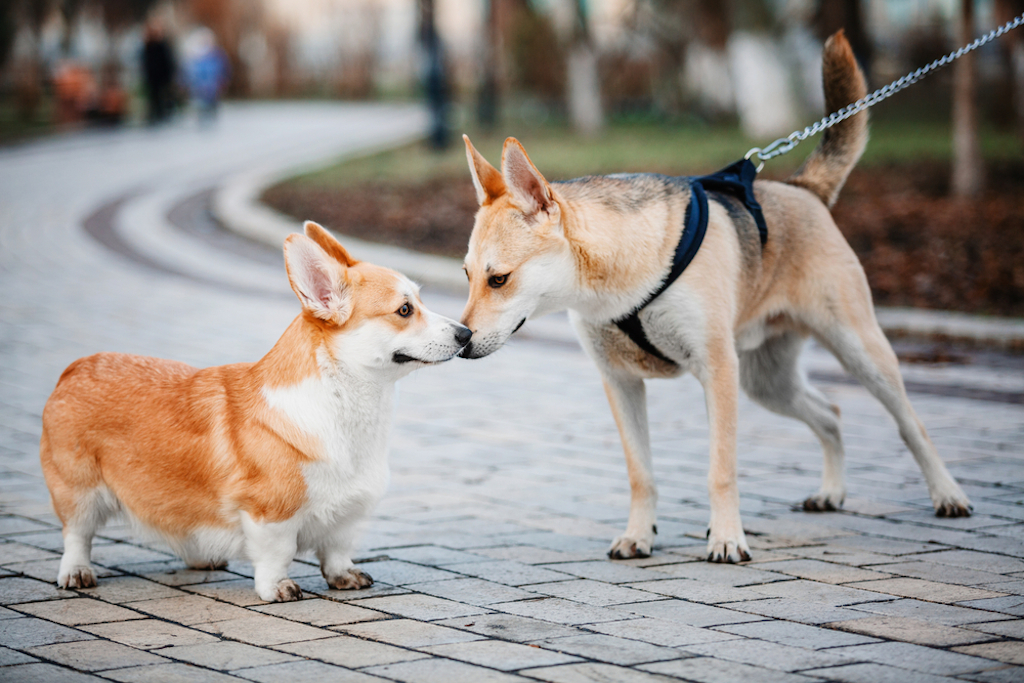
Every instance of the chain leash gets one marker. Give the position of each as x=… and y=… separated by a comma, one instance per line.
x=786, y=144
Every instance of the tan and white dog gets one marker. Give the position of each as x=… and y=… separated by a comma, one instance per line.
x=738, y=315
x=259, y=460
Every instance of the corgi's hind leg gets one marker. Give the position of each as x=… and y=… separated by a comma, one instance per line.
x=770, y=375
x=861, y=346
x=92, y=510
x=335, y=554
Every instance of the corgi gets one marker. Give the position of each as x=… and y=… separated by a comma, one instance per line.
x=258, y=460
x=737, y=317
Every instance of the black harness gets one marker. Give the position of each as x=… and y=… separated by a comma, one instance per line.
x=737, y=180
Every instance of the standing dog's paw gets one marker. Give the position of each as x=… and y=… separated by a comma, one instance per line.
x=954, y=506
x=731, y=549
x=626, y=547
x=285, y=590
x=824, y=502
x=350, y=579
x=79, y=576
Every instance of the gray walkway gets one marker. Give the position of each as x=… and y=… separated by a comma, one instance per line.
x=508, y=482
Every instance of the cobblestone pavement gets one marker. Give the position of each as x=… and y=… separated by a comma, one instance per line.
x=508, y=481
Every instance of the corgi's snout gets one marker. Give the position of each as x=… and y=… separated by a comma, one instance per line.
x=462, y=335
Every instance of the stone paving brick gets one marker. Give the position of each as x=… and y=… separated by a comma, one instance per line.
x=47, y=570
x=969, y=559
x=17, y=525
x=16, y=590
x=1011, y=652
x=14, y=552
x=408, y=633
x=691, y=613
x=933, y=612
x=826, y=572
x=181, y=576
x=593, y=592
x=590, y=673
x=226, y=655
x=797, y=635
x=874, y=673
x=1015, y=587
x=240, y=592
x=820, y=593
x=435, y=670
x=660, y=632
x=917, y=658
x=735, y=575
x=561, y=611
x=167, y=673
x=397, y=573
x=930, y=591
x=94, y=655
x=1005, y=674
x=609, y=649
x=320, y=612
x=148, y=634
x=1010, y=604
x=509, y=573
x=709, y=670
x=434, y=555
x=771, y=655
x=350, y=652
x=317, y=586
x=911, y=631
x=417, y=606
x=886, y=546
x=533, y=554
x=305, y=671
x=189, y=609
x=121, y=554
x=46, y=673
x=28, y=632
x=1008, y=629
x=500, y=654
x=510, y=627
x=121, y=589
x=602, y=570
x=76, y=611
x=695, y=591
x=9, y=657
x=942, y=573
x=473, y=591
x=8, y=614
x=263, y=629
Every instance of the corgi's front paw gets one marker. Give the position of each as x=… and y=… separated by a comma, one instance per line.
x=628, y=546
x=350, y=579
x=79, y=576
x=284, y=590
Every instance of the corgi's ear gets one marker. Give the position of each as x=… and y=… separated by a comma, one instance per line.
x=529, y=190
x=318, y=280
x=486, y=179
x=319, y=234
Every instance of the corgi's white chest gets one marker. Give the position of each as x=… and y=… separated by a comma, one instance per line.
x=351, y=423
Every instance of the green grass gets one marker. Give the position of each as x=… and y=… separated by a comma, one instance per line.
x=643, y=147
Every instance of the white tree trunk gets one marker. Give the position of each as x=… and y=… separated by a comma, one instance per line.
x=585, y=110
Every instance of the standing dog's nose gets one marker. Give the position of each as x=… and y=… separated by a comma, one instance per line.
x=463, y=335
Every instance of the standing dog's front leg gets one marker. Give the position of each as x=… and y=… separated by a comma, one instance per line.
x=720, y=377
x=271, y=547
x=628, y=400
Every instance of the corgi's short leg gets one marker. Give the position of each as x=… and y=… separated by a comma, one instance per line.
x=335, y=555
x=92, y=510
x=720, y=378
x=628, y=400
x=271, y=547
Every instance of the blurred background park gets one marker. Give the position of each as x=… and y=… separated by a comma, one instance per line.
x=935, y=210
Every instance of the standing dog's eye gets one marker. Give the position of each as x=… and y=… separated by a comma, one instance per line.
x=497, y=280
x=405, y=311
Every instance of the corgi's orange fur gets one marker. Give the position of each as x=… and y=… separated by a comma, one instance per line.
x=259, y=460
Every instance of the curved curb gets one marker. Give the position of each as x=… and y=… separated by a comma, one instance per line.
x=236, y=205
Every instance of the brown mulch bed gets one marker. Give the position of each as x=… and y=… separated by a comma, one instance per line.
x=919, y=247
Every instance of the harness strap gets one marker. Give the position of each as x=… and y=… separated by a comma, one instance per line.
x=737, y=180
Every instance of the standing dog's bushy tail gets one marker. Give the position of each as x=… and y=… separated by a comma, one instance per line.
x=825, y=171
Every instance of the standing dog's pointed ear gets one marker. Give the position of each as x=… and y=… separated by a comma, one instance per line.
x=529, y=190
x=319, y=234
x=486, y=179
x=318, y=279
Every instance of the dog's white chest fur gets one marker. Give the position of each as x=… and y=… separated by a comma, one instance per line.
x=351, y=421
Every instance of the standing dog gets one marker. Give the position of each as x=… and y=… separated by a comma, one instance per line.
x=261, y=460
x=738, y=315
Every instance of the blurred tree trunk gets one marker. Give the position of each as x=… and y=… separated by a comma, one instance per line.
x=583, y=83
x=435, y=76
x=968, y=170
x=1006, y=10
x=488, y=97
x=848, y=15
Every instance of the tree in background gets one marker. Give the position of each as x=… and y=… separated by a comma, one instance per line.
x=584, y=87
x=435, y=78
x=968, y=170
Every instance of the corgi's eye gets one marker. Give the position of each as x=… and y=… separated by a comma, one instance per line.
x=405, y=311
x=498, y=281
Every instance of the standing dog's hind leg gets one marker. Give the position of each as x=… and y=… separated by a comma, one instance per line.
x=866, y=354
x=770, y=375
x=628, y=400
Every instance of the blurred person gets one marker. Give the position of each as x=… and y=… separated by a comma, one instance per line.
x=158, y=72
x=207, y=72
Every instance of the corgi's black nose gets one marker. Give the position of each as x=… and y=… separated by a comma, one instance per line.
x=463, y=335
